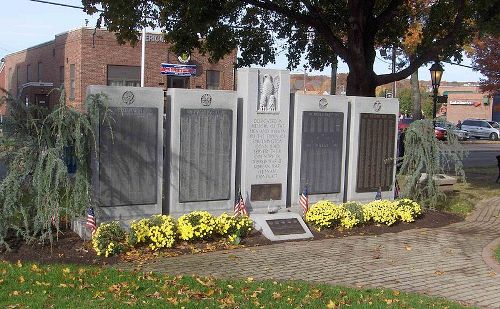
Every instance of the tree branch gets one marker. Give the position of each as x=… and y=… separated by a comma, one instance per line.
x=326, y=32
x=387, y=15
x=430, y=53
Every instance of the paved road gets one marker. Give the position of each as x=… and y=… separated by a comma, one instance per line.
x=443, y=261
x=482, y=154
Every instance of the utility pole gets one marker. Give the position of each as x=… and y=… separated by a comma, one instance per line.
x=333, y=77
x=394, y=71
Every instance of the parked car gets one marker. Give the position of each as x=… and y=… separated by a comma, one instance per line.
x=404, y=123
x=481, y=128
x=461, y=135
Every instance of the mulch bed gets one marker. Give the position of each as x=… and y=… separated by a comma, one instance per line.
x=73, y=250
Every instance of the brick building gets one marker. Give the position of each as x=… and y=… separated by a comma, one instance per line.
x=467, y=102
x=82, y=57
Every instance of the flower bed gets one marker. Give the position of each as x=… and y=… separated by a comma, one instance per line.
x=161, y=231
x=325, y=214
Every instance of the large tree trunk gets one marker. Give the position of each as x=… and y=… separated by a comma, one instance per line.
x=415, y=96
x=361, y=83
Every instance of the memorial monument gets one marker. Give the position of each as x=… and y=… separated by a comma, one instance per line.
x=318, y=155
x=127, y=163
x=372, y=148
x=263, y=160
x=201, y=162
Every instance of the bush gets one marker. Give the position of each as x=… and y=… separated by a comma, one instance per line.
x=158, y=231
x=196, y=225
x=108, y=239
x=325, y=214
x=381, y=211
x=353, y=214
x=234, y=227
x=408, y=210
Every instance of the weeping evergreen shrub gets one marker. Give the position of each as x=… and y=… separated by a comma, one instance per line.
x=38, y=192
x=424, y=153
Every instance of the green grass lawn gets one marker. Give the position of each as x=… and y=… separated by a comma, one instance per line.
x=497, y=254
x=66, y=286
x=480, y=185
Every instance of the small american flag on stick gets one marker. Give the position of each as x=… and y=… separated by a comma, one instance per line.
x=91, y=223
x=304, y=202
x=239, y=206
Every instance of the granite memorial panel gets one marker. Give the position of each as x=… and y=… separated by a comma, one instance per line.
x=202, y=151
x=318, y=152
x=127, y=164
x=265, y=96
x=372, y=148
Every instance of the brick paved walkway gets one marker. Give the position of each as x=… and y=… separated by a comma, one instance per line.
x=443, y=262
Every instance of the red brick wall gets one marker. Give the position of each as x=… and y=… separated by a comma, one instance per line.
x=457, y=112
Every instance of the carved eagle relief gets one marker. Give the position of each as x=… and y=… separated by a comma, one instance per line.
x=268, y=87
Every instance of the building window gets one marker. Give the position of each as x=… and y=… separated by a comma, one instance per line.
x=72, y=74
x=61, y=76
x=213, y=79
x=28, y=69
x=123, y=75
x=39, y=71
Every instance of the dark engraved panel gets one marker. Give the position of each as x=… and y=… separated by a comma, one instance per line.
x=205, y=154
x=128, y=157
x=265, y=192
x=321, y=152
x=288, y=226
x=376, y=152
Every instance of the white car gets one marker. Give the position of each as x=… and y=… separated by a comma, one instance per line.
x=481, y=128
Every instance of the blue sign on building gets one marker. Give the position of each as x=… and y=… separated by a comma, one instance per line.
x=178, y=69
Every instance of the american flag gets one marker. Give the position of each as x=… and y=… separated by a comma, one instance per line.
x=239, y=206
x=91, y=220
x=304, y=202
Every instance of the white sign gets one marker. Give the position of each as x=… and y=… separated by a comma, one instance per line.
x=461, y=102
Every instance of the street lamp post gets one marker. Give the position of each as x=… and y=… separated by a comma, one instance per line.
x=436, y=74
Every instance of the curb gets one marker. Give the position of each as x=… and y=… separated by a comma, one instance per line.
x=488, y=257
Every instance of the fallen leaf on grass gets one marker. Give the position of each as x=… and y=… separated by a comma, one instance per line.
x=276, y=295
x=249, y=279
x=21, y=279
x=331, y=305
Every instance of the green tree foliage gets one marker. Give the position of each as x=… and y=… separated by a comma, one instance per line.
x=405, y=104
x=315, y=30
x=37, y=192
x=424, y=153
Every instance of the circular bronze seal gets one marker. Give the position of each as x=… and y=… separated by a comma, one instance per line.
x=323, y=103
x=206, y=100
x=128, y=97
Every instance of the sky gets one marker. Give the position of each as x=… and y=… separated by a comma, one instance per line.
x=25, y=23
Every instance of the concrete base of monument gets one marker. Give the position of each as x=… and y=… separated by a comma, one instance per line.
x=79, y=226
x=445, y=183
x=281, y=226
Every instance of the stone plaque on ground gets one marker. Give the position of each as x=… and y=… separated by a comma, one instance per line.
x=376, y=145
x=318, y=156
x=127, y=164
x=265, y=96
x=372, y=148
x=206, y=145
x=281, y=226
x=202, y=150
